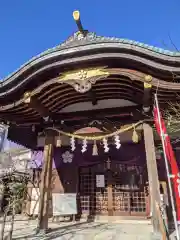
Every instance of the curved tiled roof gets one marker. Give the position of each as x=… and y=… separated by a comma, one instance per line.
x=92, y=38
x=40, y=75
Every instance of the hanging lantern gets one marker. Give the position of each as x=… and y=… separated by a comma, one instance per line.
x=84, y=146
x=73, y=145
x=117, y=141
x=105, y=143
x=135, y=137
x=95, y=149
x=58, y=141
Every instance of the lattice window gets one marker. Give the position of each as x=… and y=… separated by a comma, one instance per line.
x=92, y=198
x=138, y=202
x=85, y=191
x=128, y=200
x=102, y=199
x=129, y=197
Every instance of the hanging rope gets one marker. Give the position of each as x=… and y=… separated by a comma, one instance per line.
x=93, y=138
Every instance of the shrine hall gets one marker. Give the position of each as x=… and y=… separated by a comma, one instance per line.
x=84, y=108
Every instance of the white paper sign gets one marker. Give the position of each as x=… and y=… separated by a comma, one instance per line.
x=100, y=181
x=64, y=204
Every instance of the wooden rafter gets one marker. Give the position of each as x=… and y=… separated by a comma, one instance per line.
x=33, y=102
x=51, y=96
x=92, y=95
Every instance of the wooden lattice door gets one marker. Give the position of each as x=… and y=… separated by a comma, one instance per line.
x=130, y=193
x=118, y=196
x=93, y=199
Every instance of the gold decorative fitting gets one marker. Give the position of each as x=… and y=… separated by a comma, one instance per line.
x=148, y=78
x=147, y=85
x=76, y=15
x=27, y=97
x=135, y=137
x=82, y=74
x=83, y=79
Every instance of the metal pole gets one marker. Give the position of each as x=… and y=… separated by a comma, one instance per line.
x=167, y=170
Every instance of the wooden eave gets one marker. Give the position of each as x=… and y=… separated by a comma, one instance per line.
x=126, y=62
x=120, y=55
x=53, y=96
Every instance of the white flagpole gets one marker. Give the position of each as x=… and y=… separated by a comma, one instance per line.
x=167, y=169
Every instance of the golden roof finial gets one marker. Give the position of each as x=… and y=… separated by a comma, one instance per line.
x=76, y=15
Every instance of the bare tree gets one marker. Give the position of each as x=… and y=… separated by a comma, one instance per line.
x=172, y=117
x=15, y=189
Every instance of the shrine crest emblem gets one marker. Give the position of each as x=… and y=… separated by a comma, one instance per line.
x=67, y=157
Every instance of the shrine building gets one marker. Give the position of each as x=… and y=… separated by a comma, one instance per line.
x=84, y=108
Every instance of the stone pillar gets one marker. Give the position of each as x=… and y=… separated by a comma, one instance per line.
x=152, y=173
x=45, y=186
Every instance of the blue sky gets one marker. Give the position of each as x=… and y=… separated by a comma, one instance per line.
x=28, y=27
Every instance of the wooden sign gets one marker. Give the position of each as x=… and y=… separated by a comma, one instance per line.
x=100, y=181
x=64, y=204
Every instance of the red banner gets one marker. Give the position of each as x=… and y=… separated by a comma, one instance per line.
x=171, y=158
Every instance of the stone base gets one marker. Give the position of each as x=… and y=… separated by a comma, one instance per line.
x=156, y=236
x=42, y=231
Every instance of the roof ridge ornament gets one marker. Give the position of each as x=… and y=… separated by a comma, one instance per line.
x=81, y=34
x=76, y=16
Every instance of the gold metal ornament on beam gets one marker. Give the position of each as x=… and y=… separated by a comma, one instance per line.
x=147, y=85
x=83, y=79
x=27, y=97
x=148, y=78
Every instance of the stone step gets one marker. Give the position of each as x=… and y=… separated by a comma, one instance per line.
x=119, y=219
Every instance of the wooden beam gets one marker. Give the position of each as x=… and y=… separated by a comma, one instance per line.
x=34, y=103
x=147, y=94
x=130, y=111
x=152, y=174
x=124, y=112
x=93, y=97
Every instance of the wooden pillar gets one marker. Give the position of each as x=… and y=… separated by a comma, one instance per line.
x=45, y=186
x=110, y=195
x=152, y=173
x=2, y=189
x=109, y=188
